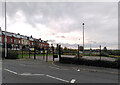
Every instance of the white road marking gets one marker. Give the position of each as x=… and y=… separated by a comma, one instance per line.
x=29, y=74
x=11, y=71
x=57, y=78
x=72, y=81
x=23, y=74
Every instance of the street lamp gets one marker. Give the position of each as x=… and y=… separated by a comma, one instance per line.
x=83, y=37
x=5, y=33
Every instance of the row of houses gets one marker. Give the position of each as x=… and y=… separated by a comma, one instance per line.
x=18, y=41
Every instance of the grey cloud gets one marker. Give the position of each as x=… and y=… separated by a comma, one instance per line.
x=51, y=41
x=53, y=33
x=60, y=36
x=53, y=11
x=90, y=45
x=100, y=18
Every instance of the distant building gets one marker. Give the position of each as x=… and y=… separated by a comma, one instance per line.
x=18, y=41
x=31, y=41
x=25, y=40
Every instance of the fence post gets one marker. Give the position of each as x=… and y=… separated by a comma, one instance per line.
x=43, y=53
x=22, y=52
x=17, y=53
x=53, y=52
x=59, y=53
x=29, y=51
x=100, y=52
x=47, y=55
x=34, y=53
x=39, y=51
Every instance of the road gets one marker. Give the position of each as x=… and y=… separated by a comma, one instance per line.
x=38, y=71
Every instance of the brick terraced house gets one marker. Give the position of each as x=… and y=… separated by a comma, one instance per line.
x=18, y=41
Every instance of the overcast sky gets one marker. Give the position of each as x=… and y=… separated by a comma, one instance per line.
x=61, y=22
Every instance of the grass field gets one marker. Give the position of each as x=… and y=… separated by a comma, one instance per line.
x=26, y=55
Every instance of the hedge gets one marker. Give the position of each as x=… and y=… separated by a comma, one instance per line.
x=11, y=54
x=98, y=63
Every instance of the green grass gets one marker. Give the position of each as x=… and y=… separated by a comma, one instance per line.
x=26, y=56
x=114, y=56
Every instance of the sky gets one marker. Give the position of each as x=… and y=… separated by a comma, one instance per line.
x=61, y=22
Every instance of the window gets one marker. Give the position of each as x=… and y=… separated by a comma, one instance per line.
x=0, y=39
x=11, y=40
x=6, y=39
x=23, y=41
x=14, y=40
x=39, y=44
x=19, y=41
x=32, y=43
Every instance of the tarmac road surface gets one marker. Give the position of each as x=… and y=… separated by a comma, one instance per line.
x=39, y=71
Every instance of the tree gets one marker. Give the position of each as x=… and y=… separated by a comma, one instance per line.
x=81, y=48
x=35, y=44
x=65, y=48
x=105, y=49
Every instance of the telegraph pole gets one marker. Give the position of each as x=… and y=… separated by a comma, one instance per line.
x=5, y=33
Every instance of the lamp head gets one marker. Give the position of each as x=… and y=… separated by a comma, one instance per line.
x=83, y=24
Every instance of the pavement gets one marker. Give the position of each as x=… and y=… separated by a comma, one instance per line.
x=39, y=71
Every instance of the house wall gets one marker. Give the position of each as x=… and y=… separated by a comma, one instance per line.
x=23, y=41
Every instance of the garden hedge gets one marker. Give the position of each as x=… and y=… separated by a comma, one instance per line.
x=98, y=63
x=11, y=54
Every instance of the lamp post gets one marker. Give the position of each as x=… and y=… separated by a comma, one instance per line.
x=83, y=37
x=5, y=33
